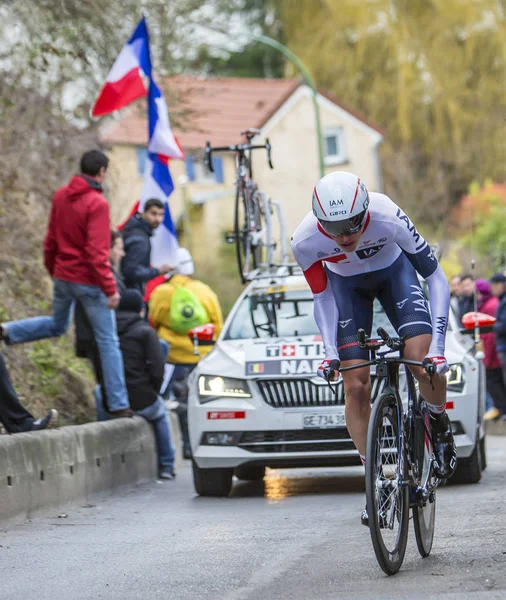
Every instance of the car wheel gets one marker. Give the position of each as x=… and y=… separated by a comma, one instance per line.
x=212, y=482
x=469, y=469
x=250, y=473
x=483, y=452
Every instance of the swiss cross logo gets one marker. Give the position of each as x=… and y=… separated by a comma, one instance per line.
x=288, y=350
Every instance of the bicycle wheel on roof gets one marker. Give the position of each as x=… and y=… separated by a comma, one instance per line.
x=247, y=228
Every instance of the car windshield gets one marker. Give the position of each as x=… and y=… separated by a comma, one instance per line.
x=273, y=313
x=280, y=313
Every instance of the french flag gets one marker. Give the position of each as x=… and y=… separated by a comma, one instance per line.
x=158, y=182
x=125, y=83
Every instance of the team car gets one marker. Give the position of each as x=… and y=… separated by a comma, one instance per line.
x=255, y=401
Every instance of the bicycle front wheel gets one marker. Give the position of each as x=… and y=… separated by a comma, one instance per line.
x=386, y=494
x=424, y=512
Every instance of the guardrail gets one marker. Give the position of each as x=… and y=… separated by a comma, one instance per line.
x=57, y=467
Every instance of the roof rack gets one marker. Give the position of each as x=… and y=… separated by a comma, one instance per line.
x=269, y=271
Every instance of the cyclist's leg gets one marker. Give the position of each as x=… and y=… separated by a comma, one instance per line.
x=404, y=302
x=355, y=307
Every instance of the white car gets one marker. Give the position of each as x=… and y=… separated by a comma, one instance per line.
x=255, y=401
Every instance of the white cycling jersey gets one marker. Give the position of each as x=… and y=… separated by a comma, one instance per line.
x=387, y=233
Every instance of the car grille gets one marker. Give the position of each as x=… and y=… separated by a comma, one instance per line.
x=297, y=440
x=297, y=393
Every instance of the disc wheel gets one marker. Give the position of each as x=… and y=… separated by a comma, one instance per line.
x=387, y=498
x=424, y=514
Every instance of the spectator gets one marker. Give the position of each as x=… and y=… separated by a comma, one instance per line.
x=487, y=303
x=466, y=298
x=455, y=294
x=169, y=307
x=144, y=367
x=86, y=346
x=13, y=415
x=136, y=264
x=498, y=289
x=76, y=255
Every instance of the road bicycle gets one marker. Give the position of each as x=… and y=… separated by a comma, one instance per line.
x=399, y=468
x=252, y=218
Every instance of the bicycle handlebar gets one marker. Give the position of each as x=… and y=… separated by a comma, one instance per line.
x=241, y=148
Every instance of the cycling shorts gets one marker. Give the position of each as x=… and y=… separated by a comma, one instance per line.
x=399, y=292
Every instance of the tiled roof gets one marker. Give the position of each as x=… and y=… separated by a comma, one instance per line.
x=215, y=109
x=206, y=109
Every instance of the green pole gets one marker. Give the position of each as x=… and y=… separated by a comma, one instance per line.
x=310, y=83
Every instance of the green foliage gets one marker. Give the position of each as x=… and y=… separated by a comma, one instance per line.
x=489, y=237
x=52, y=359
x=431, y=73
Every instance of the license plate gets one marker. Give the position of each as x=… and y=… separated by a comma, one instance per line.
x=323, y=421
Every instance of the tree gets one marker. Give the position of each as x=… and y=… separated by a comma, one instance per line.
x=432, y=72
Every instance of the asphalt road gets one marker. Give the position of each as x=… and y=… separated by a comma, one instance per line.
x=295, y=536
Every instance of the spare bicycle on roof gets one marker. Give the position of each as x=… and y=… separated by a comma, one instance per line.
x=252, y=233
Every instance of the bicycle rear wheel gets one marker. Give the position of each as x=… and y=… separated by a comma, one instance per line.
x=424, y=515
x=387, y=496
x=246, y=223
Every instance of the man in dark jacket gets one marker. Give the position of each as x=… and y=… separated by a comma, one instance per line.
x=136, y=265
x=76, y=255
x=144, y=369
x=13, y=415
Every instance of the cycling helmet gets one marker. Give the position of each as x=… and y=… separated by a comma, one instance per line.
x=340, y=202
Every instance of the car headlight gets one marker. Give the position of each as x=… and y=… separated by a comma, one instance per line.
x=455, y=377
x=211, y=387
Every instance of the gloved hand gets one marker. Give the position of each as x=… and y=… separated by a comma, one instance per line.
x=329, y=369
x=439, y=362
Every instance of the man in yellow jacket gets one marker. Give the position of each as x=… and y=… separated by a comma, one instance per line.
x=174, y=308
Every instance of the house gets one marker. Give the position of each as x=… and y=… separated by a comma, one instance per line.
x=218, y=110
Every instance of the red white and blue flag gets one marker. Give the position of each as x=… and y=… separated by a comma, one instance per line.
x=125, y=82
x=162, y=146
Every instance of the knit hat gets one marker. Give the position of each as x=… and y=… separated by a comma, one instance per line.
x=498, y=278
x=131, y=301
x=483, y=286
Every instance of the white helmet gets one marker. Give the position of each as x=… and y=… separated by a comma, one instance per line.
x=340, y=202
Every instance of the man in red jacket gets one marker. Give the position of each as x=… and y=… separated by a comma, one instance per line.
x=76, y=255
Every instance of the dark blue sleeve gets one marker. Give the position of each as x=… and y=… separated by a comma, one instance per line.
x=500, y=324
x=424, y=261
x=133, y=267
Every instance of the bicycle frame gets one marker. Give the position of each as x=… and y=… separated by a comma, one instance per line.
x=388, y=368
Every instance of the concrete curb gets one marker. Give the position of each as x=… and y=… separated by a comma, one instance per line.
x=71, y=464
x=495, y=427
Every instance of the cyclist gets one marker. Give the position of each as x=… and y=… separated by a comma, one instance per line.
x=354, y=247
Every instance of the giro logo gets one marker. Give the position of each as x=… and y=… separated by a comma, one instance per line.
x=344, y=324
x=420, y=304
x=401, y=304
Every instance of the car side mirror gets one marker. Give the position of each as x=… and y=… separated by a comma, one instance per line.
x=202, y=335
x=473, y=321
